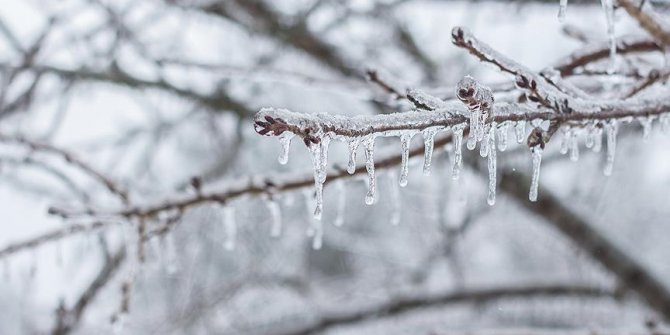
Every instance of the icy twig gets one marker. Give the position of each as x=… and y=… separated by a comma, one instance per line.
x=648, y=20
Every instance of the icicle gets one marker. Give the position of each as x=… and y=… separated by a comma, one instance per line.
x=341, y=203
x=502, y=136
x=370, y=167
x=395, y=202
x=574, y=146
x=590, y=135
x=474, y=126
x=665, y=123
x=353, y=147
x=608, y=6
x=317, y=239
x=491, y=199
x=285, y=140
x=275, y=215
x=457, y=162
x=484, y=145
x=535, y=179
x=598, y=137
x=520, y=131
x=646, y=123
x=230, y=227
x=611, y=127
x=319, y=159
x=565, y=140
x=563, y=8
x=428, y=140
x=405, y=140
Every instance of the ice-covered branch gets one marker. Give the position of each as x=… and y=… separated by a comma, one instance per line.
x=54, y=235
x=399, y=306
x=648, y=20
x=70, y=158
x=631, y=274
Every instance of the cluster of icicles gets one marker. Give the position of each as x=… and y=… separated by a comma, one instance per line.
x=492, y=137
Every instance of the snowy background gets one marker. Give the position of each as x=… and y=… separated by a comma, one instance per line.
x=152, y=138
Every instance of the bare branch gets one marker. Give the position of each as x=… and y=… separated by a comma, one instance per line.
x=648, y=21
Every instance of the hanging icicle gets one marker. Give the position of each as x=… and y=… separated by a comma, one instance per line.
x=536, y=152
x=353, y=147
x=369, y=144
x=562, y=10
x=611, y=128
x=405, y=140
x=457, y=162
x=285, y=140
x=275, y=215
x=492, y=164
x=428, y=140
x=520, y=131
x=502, y=136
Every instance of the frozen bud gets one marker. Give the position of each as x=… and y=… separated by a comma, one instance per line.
x=537, y=137
x=466, y=89
x=484, y=97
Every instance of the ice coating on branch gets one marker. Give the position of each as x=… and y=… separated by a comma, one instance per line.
x=428, y=140
x=457, y=162
x=492, y=165
x=285, y=140
x=646, y=123
x=405, y=140
x=608, y=6
x=611, y=128
x=341, y=202
x=275, y=215
x=424, y=100
x=502, y=136
x=466, y=91
x=563, y=8
x=574, y=146
x=536, y=153
x=353, y=147
x=520, y=131
x=369, y=144
x=230, y=227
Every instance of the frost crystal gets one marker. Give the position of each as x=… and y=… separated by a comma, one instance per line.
x=457, y=162
x=520, y=131
x=491, y=199
x=230, y=227
x=428, y=140
x=536, y=152
x=285, y=140
x=369, y=144
x=611, y=127
x=405, y=140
